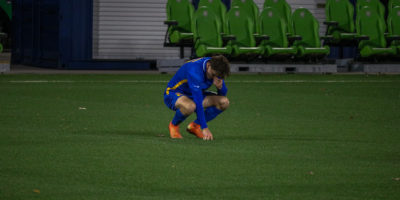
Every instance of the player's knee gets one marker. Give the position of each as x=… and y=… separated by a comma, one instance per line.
x=223, y=103
x=189, y=109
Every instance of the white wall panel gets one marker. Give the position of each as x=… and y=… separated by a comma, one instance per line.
x=131, y=29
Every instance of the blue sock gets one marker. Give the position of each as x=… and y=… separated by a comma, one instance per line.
x=178, y=118
x=210, y=113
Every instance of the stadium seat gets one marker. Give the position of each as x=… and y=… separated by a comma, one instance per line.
x=371, y=30
x=250, y=7
x=392, y=4
x=306, y=26
x=339, y=21
x=272, y=24
x=179, y=20
x=207, y=35
x=284, y=9
x=241, y=25
x=373, y=4
x=393, y=23
x=218, y=8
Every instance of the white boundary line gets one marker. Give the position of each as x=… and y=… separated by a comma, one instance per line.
x=245, y=81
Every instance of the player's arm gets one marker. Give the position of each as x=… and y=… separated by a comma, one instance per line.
x=197, y=94
x=198, y=100
x=222, y=90
x=220, y=85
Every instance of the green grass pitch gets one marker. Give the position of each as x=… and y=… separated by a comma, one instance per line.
x=286, y=137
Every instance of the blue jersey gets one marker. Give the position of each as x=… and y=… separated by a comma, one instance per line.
x=191, y=81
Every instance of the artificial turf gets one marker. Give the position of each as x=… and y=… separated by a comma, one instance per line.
x=283, y=137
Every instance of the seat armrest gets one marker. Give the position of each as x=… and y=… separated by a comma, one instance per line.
x=326, y=37
x=362, y=37
x=228, y=37
x=331, y=23
x=261, y=37
x=391, y=38
x=3, y=35
x=171, y=22
x=294, y=37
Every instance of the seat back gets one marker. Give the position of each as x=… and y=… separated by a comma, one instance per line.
x=392, y=4
x=393, y=21
x=373, y=4
x=285, y=11
x=181, y=11
x=272, y=24
x=305, y=25
x=341, y=11
x=250, y=7
x=371, y=24
x=241, y=25
x=206, y=28
x=218, y=8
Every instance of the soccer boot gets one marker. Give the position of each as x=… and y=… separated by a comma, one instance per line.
x=174, y=131
x=195, y=129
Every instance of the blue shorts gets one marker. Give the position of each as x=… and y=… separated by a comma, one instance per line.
x=171, y=98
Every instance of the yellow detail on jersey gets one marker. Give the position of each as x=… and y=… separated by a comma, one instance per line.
x=194, y=60
x=176, y=86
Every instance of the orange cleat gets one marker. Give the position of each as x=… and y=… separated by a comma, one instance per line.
x=174, y=131
x=195, y=129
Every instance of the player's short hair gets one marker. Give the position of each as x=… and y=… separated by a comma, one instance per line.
x=221, y=65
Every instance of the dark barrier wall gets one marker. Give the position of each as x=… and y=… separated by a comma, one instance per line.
x=76, y=31
x=58, y=34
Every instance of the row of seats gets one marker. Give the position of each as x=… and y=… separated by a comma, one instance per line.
x=371, y=32
x=275, y=31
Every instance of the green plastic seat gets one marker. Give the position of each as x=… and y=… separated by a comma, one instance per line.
x=207, y=31
x=250, y=7
x=393, y=23
x=241, y=25
x=179, y=21
x=218, y=8
x=392, y=4
x=306, y=26
x=339, y=21
x=272, y=24
x=373, y=4
x=370, y=24
x=284, y=9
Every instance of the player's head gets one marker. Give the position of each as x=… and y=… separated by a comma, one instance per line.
x=220, y=65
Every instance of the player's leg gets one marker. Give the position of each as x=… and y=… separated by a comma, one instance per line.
x=185, y=105
x=182, y=106
x=214, y=105
x=220, y=102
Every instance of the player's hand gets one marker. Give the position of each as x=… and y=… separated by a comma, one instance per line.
x=207, y=135
x=218, y=82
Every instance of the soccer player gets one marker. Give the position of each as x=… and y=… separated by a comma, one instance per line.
x=186, y=93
